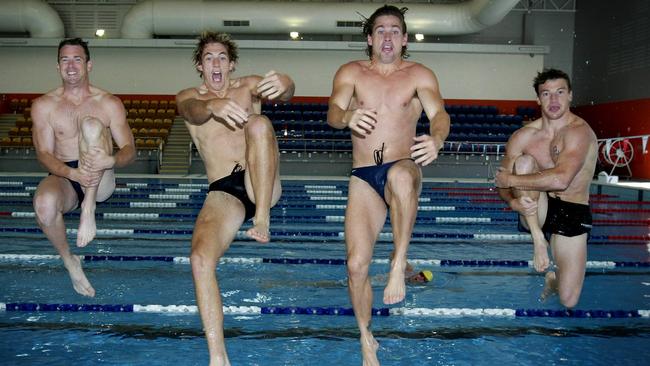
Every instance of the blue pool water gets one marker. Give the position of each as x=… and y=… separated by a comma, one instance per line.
x=471, y=225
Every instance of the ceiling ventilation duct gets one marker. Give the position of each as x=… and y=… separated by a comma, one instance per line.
x=36, y=17
x=182, y=18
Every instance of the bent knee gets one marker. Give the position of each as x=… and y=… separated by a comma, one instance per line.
x=91, y=128
x=525, y=164
x=259, y=121
x=258, y=124
x=46, y=207
x=202, y=262
x=403, y=178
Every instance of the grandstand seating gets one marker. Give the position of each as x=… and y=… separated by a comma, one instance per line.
x=299, y=127
x=150, y=122
x=474, y=129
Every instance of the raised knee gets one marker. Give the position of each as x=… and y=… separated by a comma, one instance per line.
x=403, y=179
x=525, y=164
x=91, y=128
x=258, y=125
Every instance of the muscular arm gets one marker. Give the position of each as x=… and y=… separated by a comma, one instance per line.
x=343, y=111
x=198, y=111
x=121, y=133
x=513, y=150
x=426, y=147
x=522, y=204
x=434, y=107
x=567, y=165
x=193, y=110
x=44, y=140
x=341, y=98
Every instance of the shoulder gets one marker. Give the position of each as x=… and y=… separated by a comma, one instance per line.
x=416, y=68
x=413, y=66
x=351, y=70
x=107, y=99
x=47, y=100
x=354, y=66
x=248, y=81
x=187, y=93
x=579, y=128
x=420, y=73
x=524, y=134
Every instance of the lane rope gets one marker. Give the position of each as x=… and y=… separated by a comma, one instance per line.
x=318, y=261
x=317, y=310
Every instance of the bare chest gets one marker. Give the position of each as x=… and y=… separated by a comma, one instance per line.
x=544, y=151
x=393, y=93
x=65, y=117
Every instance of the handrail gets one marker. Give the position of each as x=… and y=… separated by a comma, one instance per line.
x=160, y=154
x=189, y=150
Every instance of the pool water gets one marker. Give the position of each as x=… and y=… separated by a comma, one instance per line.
x=304, y=229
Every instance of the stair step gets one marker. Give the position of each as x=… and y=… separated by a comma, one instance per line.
x=177, y=153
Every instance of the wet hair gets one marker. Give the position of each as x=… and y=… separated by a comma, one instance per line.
x=550, y=74
x=391, y=10
x=74, y=42
x=208, y=37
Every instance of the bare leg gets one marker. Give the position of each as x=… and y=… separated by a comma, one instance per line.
x=262, y=169
x=215, y=229
x=364, y=219
x=550, y=286
x=526, y=164
x=54, y=197
x=570, y=254
x=409, y=270
x=402, y=192
x=93, y=134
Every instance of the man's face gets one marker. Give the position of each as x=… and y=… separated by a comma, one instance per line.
x=72, y=65
x=387, y=39
x=215, y=66
x=554, y=97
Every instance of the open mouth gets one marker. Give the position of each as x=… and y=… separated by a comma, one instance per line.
x=217, y=76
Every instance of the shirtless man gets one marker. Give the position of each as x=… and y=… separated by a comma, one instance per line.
x=240, y=153
x=381, y=100
x=545, y=177
x=74, y=127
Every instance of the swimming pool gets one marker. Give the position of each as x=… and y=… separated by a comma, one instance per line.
x=287, y=300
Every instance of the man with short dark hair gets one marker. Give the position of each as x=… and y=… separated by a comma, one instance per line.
x=74, y=127
x=545, y=177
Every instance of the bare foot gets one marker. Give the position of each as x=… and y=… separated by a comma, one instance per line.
x=550, y=286
x=369, y=348
x=259, y=231
x=395, y=290
x=540, y=254
x=78, y=277
x=87, y=228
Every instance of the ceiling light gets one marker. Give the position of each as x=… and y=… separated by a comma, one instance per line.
x=100, y=32
x=419, y=37
x=294, y=35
